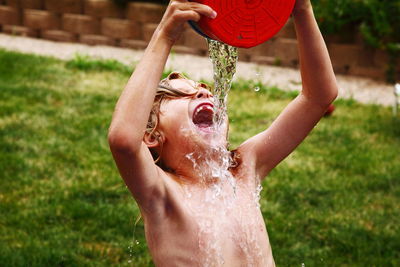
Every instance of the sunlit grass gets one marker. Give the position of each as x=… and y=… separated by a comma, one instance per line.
x=334, y=201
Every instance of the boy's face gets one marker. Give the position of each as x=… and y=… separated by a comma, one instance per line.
x=188, y=120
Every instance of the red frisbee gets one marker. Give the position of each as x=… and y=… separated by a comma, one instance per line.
x=244, y=23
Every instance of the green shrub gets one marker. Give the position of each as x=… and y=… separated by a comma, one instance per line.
x=378, y=21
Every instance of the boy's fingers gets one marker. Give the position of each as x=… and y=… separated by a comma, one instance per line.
x=186, y=15
x=197, y=7
x=203, y=9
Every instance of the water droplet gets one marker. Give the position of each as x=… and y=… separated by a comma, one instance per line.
x=397, y=89
x=257, y=88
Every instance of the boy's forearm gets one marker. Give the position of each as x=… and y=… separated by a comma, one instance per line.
x=134, y=105
x=319, y=82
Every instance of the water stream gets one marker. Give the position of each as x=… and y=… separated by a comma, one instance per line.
x=224, y=58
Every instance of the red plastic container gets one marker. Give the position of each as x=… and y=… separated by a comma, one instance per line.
x=244, y=23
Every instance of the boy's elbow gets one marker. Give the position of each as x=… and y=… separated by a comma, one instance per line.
x=329, y=95
x=122, y=141
x=326, y=100
x=333, y=94
x=323, y=99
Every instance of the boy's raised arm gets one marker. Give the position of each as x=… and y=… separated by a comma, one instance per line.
x=132, y=110
x=129, y=121
x=270, y=147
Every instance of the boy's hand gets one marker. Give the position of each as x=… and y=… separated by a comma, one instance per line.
x=301, y=5
x=177, y=13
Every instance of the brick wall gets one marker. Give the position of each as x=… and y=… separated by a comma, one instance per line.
x=101, y=22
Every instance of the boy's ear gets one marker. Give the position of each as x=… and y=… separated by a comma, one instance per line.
x=153, y=139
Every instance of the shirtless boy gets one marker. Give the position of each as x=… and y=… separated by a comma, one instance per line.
x=198, y=208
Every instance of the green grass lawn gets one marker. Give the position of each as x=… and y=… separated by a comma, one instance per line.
x=334, y=202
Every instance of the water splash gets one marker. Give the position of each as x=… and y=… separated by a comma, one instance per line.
x=257, y=194
x=135, y=242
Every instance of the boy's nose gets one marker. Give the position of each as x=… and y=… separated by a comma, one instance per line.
x=203, y=93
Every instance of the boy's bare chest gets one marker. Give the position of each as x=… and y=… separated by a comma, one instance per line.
x=227, y=224
x=232, y=209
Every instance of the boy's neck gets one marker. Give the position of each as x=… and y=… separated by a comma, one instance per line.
x=202, y=168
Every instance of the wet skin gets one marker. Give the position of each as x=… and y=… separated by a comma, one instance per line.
x=194, y=225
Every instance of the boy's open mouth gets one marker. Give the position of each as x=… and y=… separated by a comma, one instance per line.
x=203, y=115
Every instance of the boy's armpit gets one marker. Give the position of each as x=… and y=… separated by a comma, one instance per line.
x=141, y=175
